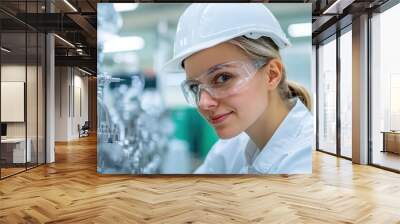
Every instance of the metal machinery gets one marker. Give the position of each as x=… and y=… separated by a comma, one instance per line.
x=133, y=127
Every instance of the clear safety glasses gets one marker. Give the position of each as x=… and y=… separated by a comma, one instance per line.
x=221, y=80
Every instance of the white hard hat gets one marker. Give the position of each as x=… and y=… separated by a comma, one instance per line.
x=204, y=25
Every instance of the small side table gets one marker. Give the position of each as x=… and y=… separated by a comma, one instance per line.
x=391, y=141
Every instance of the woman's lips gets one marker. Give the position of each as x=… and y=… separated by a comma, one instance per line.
x=219, y=118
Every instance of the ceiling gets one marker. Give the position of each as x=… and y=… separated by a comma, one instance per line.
x=76, y=25
x=332, y=15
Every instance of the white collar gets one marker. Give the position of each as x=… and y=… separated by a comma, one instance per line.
x=274, y=151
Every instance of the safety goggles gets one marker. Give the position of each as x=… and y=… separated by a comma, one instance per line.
x=221, y=80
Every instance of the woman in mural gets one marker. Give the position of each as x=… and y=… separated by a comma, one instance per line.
x=236, y=78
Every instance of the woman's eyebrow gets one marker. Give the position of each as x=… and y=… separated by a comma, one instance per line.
x=211, y=70
x=216, y=67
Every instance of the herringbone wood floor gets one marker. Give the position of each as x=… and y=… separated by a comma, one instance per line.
x=70, y=191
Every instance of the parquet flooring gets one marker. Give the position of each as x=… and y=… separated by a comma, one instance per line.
x=387, y=159
x=9, y=171
x=70, y=191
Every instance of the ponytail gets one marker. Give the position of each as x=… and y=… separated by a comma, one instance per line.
x=297, y=90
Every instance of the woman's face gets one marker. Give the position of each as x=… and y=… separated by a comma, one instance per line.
x=235, y=113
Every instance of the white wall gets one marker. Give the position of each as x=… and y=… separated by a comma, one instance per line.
x=79, y=115
x=14, y=73
x=70, y=83
x=61, y=103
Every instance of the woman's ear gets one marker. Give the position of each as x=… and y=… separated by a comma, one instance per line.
x=274, y=72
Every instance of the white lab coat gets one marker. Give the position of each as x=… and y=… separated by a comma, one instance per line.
x=289, y=151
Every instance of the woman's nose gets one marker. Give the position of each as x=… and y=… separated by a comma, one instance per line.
x=206, y=101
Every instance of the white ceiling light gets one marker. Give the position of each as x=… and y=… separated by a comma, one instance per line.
x=79, y=51
x=332, y=8
x=123, y=44
x=65, y=41
x=5, y=50
x=122, y=7
x=84, y=71
x=70, y=5
x=300, y=29
x=337, y=7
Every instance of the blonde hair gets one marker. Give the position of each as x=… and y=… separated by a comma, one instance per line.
x=265, y=49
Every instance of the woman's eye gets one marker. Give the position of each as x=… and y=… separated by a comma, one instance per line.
x=222, y=78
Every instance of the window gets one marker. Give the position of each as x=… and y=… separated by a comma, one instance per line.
x=22, y=75
x=385, y=89
x=346, y=94
x=327, y=97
